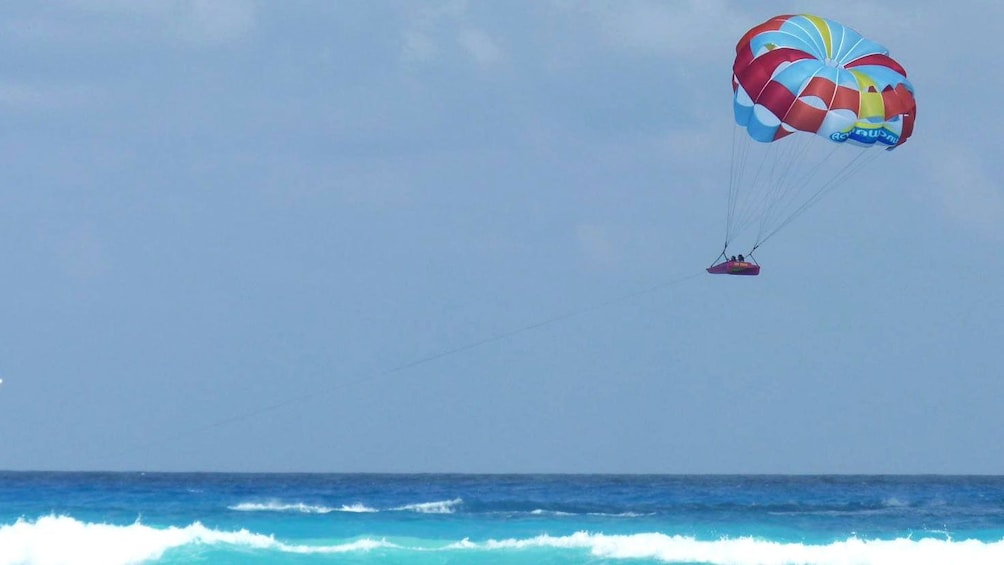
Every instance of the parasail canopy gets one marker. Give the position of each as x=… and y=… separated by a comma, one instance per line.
x=810, y=74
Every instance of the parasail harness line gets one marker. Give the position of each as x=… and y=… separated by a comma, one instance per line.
x=800, y=135
x=724, y=254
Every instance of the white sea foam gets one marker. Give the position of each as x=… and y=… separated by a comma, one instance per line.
x=59, y=540
x=358, y=507
x=893, y=502
x=275, y=506
x=542, y=512
x=439, y=507
x=751, y=551
x=436, y=507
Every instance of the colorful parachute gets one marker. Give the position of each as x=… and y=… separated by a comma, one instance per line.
x=805, y=73
x=839, y=93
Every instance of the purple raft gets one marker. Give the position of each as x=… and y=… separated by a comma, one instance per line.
x=735, y=268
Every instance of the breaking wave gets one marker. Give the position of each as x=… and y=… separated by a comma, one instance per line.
x=62, y=539
x=752, y=551
x=440, y=507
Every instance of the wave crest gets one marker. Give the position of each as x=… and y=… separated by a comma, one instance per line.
x=276, y=506
x=62, y=539
x=753, y=551
x=439, y=507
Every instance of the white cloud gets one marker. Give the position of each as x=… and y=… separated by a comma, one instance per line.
x=421, y=41
x=418, y=47
x=216, y=21
x=438, y=29
x=137, y=21
x=17, y=95
x=693, y=29
x=480, y=47
x=143, y=7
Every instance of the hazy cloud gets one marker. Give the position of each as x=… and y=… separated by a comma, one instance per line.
x=140, y=7
x=418, y=47
x=439, y=29
x=970, y=193
x=22, y=96
x=480, y=47
x=665, y=28
x=217, y=21
x=421, y=41
x=113, y=21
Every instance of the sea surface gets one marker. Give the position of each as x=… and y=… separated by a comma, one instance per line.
x=114, y=518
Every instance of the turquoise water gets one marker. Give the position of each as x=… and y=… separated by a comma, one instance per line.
x=112, y=518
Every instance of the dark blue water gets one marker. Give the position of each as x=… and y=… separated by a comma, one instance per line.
x=289, y=518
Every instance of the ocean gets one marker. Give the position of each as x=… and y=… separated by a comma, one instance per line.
x=117, y=518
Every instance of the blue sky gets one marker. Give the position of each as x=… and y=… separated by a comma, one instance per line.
x=229, y=228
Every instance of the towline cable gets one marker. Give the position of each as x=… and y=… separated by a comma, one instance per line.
x=316, y=393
